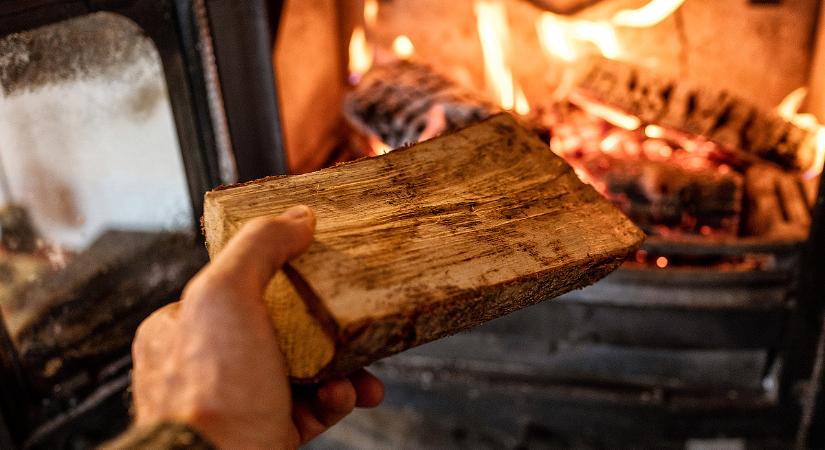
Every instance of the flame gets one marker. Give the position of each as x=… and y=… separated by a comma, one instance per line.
x=491, y=21
x=555, y=37
x=788, y=109
x=370, y=12
x=610, y=114
x=492, y=31
x=562, y=36
x=522, y=107
x=403, y=47
x=360, y=54
x=559, y=36
x=819, y=157
x=648, y=15
x=601, y=34
x=790, y=105
x=377, y=146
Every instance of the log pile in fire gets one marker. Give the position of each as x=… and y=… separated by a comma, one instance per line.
x=678, y=159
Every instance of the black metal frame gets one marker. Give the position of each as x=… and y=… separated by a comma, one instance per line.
x=242, y=34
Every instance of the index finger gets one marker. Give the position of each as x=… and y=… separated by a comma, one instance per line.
x=260, y=248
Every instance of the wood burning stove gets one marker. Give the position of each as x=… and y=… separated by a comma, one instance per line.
x=711, y=331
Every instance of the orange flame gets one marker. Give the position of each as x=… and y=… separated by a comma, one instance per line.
x=371, y=12
x=788, y=109
x=562, y=36
x=377, y=146
x=555, y=38
x=648, y=15
x=403, y=47
x=613, y=115
x=491, y=22
x=360, y=54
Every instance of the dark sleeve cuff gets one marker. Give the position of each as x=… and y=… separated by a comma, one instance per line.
x=163, y=436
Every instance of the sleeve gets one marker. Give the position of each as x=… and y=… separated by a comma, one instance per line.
x=163, y=436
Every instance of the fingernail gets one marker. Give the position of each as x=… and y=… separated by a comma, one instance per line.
x=296, y=212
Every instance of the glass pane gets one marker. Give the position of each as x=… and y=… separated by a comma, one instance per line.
x=96, y=217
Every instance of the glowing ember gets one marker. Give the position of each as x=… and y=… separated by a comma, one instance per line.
x=654, y=132
x=661, y=262
x=360, y=55
x=648, y=15
x=608, y=113
x=403, y=47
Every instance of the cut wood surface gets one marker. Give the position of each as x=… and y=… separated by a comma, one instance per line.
x=424, y=242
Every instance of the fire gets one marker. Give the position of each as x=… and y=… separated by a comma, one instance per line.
x=371, y=12
x=377, y=146
x=554, y=37
x=360, y=54
x=494, y=33
x=661, y=262
x=788, y=109
x=655, y=132
x=403, y=47
x=562, y=36
x=608, y=113
x=648, y=15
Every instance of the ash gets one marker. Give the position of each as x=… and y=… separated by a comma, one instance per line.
x=101, y=45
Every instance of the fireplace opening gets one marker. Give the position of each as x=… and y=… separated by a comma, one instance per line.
x=700, y=120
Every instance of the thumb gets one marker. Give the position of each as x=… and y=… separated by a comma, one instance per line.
x=263, y=245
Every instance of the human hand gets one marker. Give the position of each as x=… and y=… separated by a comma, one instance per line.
x=212, y=360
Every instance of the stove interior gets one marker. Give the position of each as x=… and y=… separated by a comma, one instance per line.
x=700, y=119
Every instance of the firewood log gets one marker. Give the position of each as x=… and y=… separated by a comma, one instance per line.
x=775, y=204
x=395, y=101
x=739, y=126
x=425, y=241
x=655, y=194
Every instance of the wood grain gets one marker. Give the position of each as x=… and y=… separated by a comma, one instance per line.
x=426, y=241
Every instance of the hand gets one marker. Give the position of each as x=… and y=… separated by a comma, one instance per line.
x=212, y=360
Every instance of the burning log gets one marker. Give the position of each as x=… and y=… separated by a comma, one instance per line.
x=658, y=194
x=426, y=241
x=776, y=204
x=404, y=102
x=740, y=127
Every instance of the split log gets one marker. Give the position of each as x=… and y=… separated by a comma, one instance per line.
x=424, y=242
x=398, y=101
x=739, y=126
